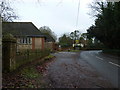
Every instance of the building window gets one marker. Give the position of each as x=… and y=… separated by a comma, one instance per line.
x=27, y=40
x=20, y=40
x=23, y=40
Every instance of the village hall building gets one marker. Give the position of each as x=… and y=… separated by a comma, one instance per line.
x=27, y=34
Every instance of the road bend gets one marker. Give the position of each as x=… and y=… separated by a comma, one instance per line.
x=108, y=66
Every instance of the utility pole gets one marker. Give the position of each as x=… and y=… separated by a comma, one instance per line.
x=0, y=51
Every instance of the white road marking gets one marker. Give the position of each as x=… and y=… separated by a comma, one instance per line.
x=114, y=64
x=99, y=58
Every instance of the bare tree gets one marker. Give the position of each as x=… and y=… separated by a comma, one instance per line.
x=6, y=12
x=96, y=7
x=48, y=31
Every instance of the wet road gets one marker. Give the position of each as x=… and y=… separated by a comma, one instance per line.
x=70, y=70
x=106, y=65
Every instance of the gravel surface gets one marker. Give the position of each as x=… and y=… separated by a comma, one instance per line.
x=70, y=71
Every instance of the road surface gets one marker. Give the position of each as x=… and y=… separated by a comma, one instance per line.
x=72, y=70
x=107, y=66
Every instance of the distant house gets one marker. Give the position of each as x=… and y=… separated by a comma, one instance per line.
x=49, y=42
x=26, y=33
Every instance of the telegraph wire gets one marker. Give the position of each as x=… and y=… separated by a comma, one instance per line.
x=78, y=14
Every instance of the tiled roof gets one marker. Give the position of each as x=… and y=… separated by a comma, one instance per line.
x=49, y=38
x=21, y=29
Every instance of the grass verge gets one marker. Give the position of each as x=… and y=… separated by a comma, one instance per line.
x=112, y=52
x=74, y=50
x=28, y=76
x=30, y=72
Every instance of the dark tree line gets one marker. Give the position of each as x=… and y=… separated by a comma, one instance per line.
x=107, y=24
x=65, y=41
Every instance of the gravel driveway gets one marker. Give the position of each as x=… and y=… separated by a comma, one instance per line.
x=70, y=71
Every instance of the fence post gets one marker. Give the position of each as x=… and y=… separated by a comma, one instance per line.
x=28, y=54
x=9, y=53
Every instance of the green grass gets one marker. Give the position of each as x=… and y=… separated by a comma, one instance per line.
x=70, y=51
x=49, y=57
x=30, y=72
x=74, y=50
x=31, y=86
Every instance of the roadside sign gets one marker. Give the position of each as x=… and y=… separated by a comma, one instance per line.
x=76, y=41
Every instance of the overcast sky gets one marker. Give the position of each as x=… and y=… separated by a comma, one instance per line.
x=59, y=15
